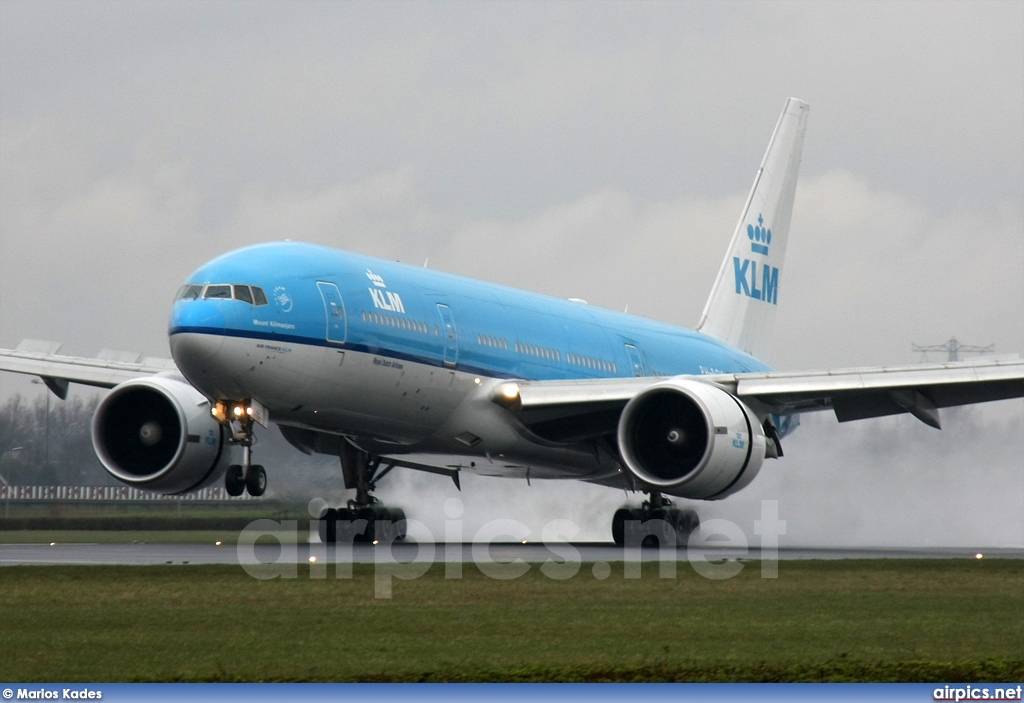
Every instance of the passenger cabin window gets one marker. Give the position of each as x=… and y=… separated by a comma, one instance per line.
x=392, y=321
x=243, y=293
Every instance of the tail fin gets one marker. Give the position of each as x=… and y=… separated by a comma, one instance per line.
x=741, y=308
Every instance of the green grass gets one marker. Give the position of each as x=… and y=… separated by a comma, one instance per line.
x=926, y=620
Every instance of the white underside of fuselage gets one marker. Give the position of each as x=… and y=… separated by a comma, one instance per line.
x=422, y=413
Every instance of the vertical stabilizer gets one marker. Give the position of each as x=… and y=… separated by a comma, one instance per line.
x=741, y=308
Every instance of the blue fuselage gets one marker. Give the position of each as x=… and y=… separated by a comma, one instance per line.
x=324, y=297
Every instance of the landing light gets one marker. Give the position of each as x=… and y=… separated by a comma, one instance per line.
x=312, y=560
x=508, y=393
x=220, y=411
x=218, y=543
x=979, y=555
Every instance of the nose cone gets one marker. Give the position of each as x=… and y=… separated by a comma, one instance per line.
x=197, y=316
x=196, y=336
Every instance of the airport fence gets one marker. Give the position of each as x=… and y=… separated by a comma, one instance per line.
x=125, y=507
x=113, y=493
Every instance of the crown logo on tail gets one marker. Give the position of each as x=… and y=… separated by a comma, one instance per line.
x=760, y=237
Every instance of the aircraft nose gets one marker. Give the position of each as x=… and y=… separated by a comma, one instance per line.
x=196, y=333
x=196, y=316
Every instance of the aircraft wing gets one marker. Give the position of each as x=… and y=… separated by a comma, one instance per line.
x=106, y=370
x=591, y=407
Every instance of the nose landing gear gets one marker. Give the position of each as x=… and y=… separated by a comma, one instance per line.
x=245, y=476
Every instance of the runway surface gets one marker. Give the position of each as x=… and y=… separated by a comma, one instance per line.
x=495, y=553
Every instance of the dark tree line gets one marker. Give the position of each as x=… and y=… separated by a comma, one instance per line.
x=46, y=442
x=36, y=450
x=40, y=448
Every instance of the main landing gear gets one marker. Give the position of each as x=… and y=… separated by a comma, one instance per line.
x=656, y=523
x=245, y=476
x=365, y=519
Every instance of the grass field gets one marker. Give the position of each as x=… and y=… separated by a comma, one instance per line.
x=884, y=620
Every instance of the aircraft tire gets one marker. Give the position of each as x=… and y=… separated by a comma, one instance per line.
x=256, y=481
x=666, y=534
x=369, y=531
x=689, y=521
x=328, y=527
x=400, y=523
x=619, y=526
x=234, y=482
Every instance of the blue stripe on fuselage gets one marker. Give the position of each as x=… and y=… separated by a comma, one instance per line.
x=391, y=310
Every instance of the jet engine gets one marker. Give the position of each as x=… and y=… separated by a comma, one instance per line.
x=157, y=433
x=691, y=439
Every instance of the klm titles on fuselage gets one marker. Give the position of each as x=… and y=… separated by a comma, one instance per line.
x=746, y=270
x=383, y=299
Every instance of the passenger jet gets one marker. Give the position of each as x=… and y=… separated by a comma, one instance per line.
x=392, y=366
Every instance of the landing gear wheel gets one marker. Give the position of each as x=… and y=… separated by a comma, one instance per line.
x=396, y=518
x=382, y=525
x=688, y=524
x=234, y=482
x=622, y=515
x=369, y=532
x=328, y=526
x=256, y=481
x=666, y=535
x=657, y=526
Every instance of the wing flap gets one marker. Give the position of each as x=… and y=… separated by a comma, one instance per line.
x=869, y=378
x=59, y=370
x=573, y=411
x=856, y=394
x=576, y=410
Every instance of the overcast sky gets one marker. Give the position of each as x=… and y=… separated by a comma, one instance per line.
x=600, y=150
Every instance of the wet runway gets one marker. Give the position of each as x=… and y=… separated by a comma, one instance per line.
x=494, y=553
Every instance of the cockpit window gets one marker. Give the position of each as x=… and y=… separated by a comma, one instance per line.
x=189, y=292
x=217, y=292
x=253, y=295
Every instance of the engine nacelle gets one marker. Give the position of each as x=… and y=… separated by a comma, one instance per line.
x=157, y=433
x=691, y=439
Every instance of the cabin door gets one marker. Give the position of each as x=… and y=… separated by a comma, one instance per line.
x=449, y=334
x=635, y=361
x=334, y=309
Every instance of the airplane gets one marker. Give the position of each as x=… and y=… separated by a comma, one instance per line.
x=386, y=366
